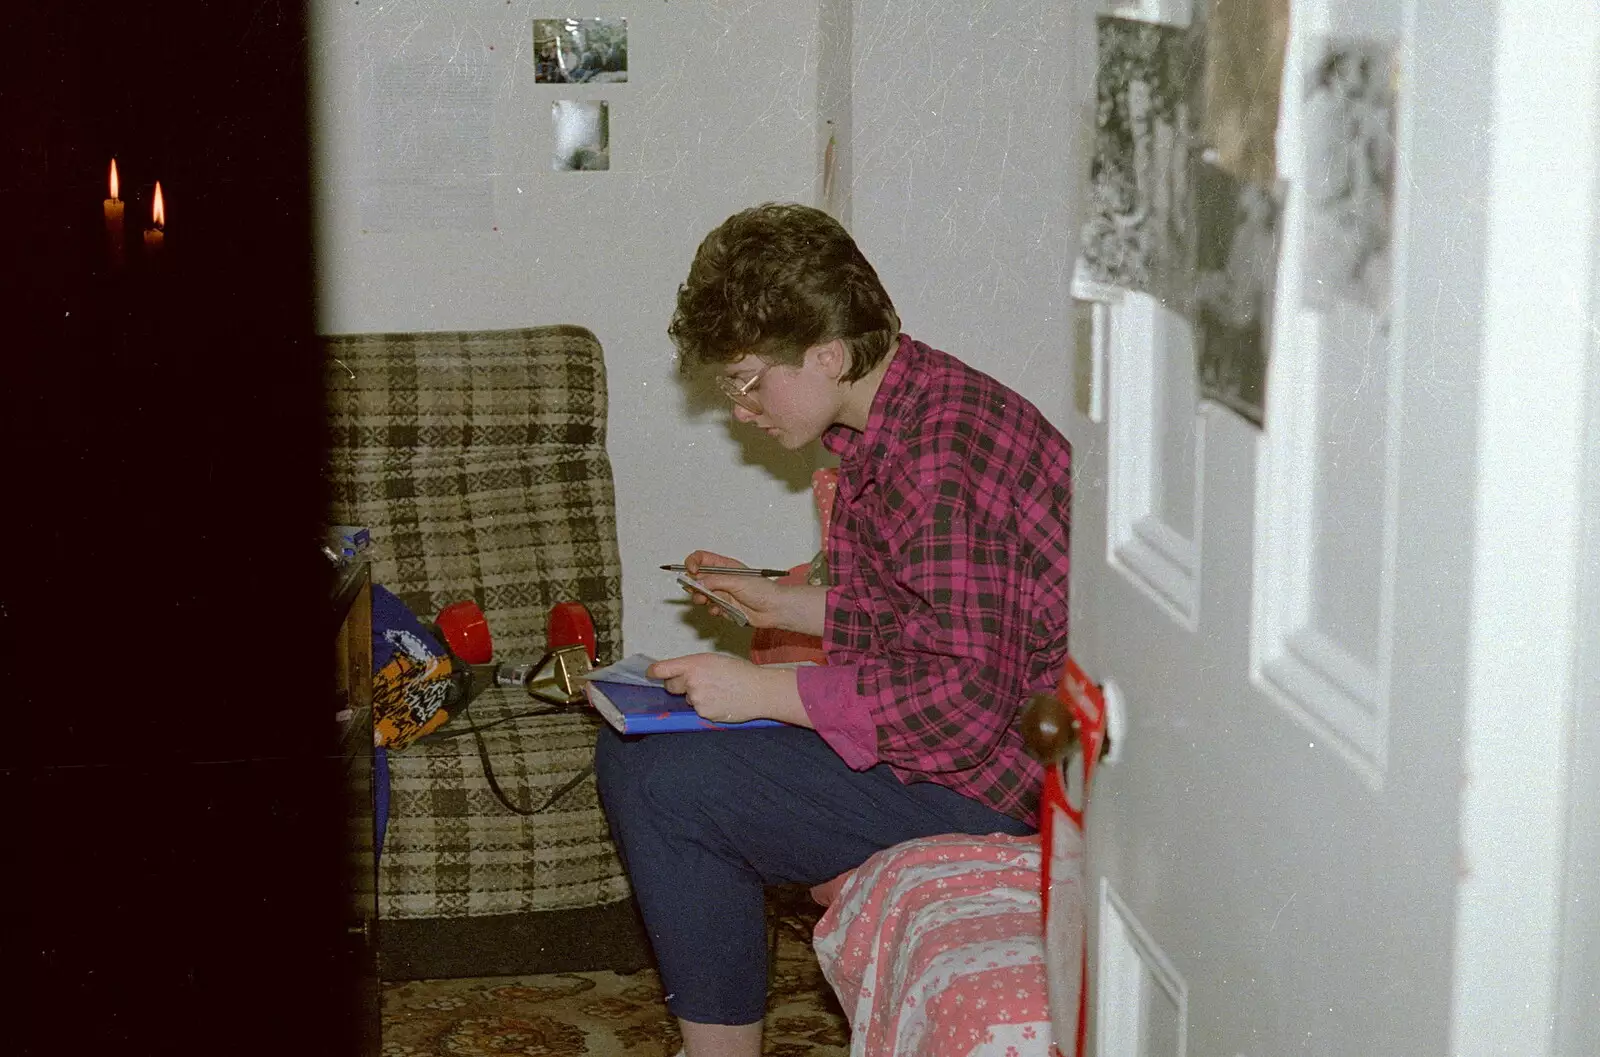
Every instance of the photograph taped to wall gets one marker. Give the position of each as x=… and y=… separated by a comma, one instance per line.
x=1140, y=230
x=1237, y=272
x=1244, y=45
x=582, y=130
x=1349, y=174
x=580, y=50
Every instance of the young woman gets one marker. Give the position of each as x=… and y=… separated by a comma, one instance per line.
x=948, y=555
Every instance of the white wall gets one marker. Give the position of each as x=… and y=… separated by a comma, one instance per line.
x=720, y=113
x=969, y=157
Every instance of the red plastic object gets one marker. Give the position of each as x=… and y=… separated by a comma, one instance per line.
x=1087, y=703
x=570, y=625
x=466, y=629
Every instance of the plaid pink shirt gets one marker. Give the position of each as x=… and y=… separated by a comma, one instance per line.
x=949, y=552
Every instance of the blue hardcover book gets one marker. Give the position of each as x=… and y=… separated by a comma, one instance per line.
x=633, y=703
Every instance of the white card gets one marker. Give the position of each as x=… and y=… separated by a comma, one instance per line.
x=730, y=608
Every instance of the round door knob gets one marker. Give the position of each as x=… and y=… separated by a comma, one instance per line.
x=1048, y=729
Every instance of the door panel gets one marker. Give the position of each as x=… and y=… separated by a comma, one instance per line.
x=1155, y=447
x=1350, y=554
x=1143, y=1008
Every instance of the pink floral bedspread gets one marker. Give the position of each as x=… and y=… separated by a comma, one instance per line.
x=945, y=947
x=935, y=948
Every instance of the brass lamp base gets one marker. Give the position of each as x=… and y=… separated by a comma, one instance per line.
x=559, y=675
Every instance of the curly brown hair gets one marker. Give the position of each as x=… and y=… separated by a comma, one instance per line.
x=776, y=280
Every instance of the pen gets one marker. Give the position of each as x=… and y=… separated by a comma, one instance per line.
x=731, y=570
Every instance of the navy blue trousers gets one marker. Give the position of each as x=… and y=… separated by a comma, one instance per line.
x=703, y=821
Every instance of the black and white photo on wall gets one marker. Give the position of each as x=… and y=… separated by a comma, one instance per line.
x=1171, y=214
x=580, y=50
x=1236, y=275
x=582, y=135
x=1139, y=234
x=1348, y=117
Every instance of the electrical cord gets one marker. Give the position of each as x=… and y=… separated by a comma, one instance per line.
x=554, y=706
x=488, y=767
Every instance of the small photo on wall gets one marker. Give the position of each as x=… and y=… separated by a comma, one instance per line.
x=580, y=50
x=1140, y=231
x=582, y=129
x=1349, y=178
x=1236, y=278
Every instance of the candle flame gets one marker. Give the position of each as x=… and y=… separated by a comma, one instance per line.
x=158, y=208
x=114, y=184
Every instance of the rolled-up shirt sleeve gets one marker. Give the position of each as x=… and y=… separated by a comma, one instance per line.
x=839, y=714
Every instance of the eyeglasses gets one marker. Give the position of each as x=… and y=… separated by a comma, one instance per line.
x=743, y=393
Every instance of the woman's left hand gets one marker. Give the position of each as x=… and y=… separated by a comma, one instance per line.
x=727, y=689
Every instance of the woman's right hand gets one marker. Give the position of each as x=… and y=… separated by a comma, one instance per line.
x=768, y=604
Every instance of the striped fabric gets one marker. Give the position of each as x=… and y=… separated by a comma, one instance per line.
x=478, y=461
x=935, y=949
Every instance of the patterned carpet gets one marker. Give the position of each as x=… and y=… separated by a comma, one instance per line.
x=606, y=1014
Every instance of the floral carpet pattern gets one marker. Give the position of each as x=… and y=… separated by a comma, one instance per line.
x=607, y=1014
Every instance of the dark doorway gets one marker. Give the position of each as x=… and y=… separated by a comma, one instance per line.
x=167, y=756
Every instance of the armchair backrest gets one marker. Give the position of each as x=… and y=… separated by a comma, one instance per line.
x=477, y=459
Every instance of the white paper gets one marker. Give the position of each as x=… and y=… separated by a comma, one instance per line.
x=427, y=153
x=731, y=609
x=629, y=670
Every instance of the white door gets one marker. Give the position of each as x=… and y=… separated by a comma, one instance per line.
x=1347, y=646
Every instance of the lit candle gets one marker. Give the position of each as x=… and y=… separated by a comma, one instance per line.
x=155, y=234
x=113, y=209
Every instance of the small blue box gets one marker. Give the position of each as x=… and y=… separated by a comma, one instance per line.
x=349, y=540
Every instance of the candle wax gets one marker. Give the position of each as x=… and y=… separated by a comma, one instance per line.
x=113, y=210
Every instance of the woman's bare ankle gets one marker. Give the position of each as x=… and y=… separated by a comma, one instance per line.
x=720, y=1040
